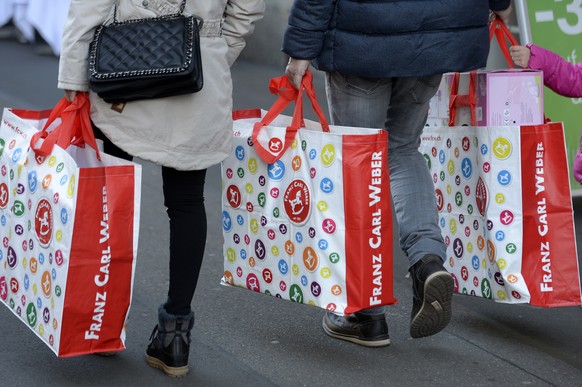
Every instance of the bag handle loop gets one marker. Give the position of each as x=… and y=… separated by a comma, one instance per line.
x=456, y=100
x=75, y=127
x=503, y=35
x=287, y=93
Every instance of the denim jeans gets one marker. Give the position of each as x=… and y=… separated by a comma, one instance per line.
x=400, y=105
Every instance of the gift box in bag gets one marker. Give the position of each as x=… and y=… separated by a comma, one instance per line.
x=306, y=208
x=69, y=220
x=505, y=210
x=490, y=97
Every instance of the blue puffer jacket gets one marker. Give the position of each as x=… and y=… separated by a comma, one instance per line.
x=391, y=38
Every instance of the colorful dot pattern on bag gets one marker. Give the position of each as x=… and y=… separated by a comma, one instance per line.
x=476, y=179
x=282, y=230
x=36, y=208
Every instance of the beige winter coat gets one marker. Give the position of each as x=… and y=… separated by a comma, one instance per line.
x=185, y=132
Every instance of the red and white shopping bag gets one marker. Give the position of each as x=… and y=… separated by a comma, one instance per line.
x=505, y=211
x=306, y=207
x=69, y=228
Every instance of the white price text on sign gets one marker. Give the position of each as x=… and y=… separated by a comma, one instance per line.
x=568, y=27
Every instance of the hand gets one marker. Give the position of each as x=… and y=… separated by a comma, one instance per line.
x=520, y=55
x=295, y=71
x=504, y=15
x=70, y=95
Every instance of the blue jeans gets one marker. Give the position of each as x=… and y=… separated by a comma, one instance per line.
x=400, y=105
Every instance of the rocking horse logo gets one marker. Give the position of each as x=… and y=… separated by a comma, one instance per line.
x=233, y=196
x=43, y=222
x=440, y=199
x=297, y=202
x=275, y=145
x=3, y=289
x=4, y=195
x=253, y=283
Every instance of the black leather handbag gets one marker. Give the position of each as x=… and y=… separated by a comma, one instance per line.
x=146, y=58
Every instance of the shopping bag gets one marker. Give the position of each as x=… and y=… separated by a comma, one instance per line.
x=505, y=210
x=306, y=207
x=69, y=221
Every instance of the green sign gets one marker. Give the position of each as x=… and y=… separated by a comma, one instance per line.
x=557, y=26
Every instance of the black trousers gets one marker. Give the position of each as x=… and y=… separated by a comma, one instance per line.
x=184, y=200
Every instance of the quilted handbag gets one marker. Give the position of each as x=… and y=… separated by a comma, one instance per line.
x=146, y=58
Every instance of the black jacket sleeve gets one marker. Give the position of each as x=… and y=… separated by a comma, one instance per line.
x=308, y=22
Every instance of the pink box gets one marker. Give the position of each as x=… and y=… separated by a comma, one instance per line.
x=509, y=97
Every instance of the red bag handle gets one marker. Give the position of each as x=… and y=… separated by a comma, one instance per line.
x=75, y=127
x=287, y=93
x=456, y=99
x=502, y=33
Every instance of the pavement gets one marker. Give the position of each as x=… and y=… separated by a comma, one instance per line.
x=242, y=338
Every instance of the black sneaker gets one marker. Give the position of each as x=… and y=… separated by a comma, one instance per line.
x=366, y=330
x=432, y=287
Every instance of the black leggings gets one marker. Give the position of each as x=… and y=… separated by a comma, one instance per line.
x=184, y=200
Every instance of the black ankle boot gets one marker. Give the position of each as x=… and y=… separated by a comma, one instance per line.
x=170, y=343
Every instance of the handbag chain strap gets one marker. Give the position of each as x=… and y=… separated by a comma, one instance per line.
x=191, y=21
x=182, y=7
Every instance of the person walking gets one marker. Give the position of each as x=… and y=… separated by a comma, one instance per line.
x=383, y=62
x=184, y=134
x=561, y=76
